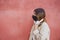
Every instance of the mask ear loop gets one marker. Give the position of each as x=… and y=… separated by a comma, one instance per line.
x=41, y=20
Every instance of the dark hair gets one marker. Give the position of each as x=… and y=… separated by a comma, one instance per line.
x=40, y=11
x=34, y=18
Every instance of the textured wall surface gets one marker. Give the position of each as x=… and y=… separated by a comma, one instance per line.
x=16, y=21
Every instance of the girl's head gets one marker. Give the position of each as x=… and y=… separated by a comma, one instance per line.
x=39, y=13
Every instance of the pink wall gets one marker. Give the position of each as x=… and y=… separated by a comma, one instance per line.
x=16, y=21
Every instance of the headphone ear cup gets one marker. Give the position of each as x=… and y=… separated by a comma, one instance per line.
x=34, y=18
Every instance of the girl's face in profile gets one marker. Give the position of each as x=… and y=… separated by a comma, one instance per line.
x=39, y=15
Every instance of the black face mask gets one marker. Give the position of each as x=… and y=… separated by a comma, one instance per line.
x=34, y=18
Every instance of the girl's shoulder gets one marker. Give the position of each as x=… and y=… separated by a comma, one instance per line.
x=45, y=26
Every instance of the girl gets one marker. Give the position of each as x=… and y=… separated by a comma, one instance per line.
x=40, y=29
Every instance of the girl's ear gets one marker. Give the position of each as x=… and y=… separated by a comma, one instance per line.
x=34, y=18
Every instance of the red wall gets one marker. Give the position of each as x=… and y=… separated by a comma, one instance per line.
x=16, y=21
